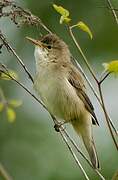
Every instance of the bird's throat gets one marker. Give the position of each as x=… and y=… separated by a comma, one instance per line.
x=41, y=56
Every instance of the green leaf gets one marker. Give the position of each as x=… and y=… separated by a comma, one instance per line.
x=64, y=12
x=81, y=25
x=1, y=106
x=64, y=20
x=11, y=114
x=111, y=67
x=15, y=103
x=11, y=73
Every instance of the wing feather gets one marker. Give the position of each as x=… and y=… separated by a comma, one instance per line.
x=79, y=86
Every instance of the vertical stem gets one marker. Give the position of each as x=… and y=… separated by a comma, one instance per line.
x=106, y=116
x=74, y=156
x=82, y=54
x=113, y=11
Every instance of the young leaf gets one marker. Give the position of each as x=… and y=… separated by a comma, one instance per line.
x=64, y=19
x=11, y=114
x=81, y=25
x=111, y=67
x=11, y=73
x=15, y=103
x=1, y=106
x=64, y=12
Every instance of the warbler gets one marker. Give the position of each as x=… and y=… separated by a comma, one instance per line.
x=61, y=87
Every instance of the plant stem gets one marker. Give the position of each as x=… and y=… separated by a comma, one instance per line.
x=104, y=75
x=106, y=115
x=74, y=156
x=113, y=11
x=81, y=52
x=80, y=152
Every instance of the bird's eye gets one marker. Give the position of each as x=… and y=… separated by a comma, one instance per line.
x=49, y=47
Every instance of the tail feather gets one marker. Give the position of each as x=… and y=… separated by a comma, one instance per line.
x=90, y=147
x=85, y=131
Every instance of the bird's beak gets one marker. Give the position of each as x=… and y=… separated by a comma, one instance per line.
x=35, y=42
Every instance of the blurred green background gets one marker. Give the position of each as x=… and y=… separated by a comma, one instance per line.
x=30, y=149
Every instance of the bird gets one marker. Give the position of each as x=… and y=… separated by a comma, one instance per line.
x=60, y=85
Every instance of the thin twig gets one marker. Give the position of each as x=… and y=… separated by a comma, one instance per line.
x=26, y=89
x=106, y=115
x=74, y=155
x=65, y=135
x=105, y=75
x=4, y=173
x=81, y=52
x=76, y=147
x=112, y=10
x=19, y=16
x=80, y=152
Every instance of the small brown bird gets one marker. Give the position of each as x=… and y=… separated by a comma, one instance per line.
x=61, y=87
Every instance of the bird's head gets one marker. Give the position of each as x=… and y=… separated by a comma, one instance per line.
x=50, y=47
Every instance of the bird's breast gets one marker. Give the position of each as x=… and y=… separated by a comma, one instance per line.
x=58, y=95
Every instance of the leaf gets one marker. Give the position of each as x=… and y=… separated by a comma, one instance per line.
x=11, y=73
x=64, y=19
x=11, y=114
x=1, y=106
x=15, y=103
x=81, y=25
x=111, y=67
x=64, y=12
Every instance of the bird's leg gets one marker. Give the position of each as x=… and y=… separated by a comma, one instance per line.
x=59, y=125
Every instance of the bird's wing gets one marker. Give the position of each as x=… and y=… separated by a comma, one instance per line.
x=79, y=86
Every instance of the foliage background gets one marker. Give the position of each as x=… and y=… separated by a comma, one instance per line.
x=30, y=148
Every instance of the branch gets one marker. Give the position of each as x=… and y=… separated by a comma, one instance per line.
x=74, y=155
x=19, y=16
x=106, y=115
x=81, y=52
x=79, y=151
x=112, y=10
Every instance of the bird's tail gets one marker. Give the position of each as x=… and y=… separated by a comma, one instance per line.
x=85, y=131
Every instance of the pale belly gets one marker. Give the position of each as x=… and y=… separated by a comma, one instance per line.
x=59, y=97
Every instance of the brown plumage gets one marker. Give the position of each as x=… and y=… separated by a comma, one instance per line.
x=61, y=87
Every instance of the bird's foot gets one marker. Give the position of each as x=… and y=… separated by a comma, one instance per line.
x=58, y=126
